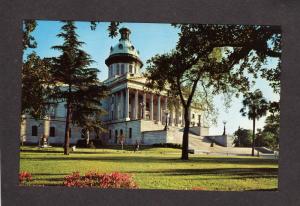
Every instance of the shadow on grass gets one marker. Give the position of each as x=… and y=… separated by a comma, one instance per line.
x=153, y=159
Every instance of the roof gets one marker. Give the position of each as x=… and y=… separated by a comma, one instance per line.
x=123, y=48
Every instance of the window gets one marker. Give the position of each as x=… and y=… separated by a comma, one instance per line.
x=116, y=136
x=110, y=71
x=109, y=134
x=130, y=132
x=118, y=69
x=52, y=131
x=122, y=69
x=130, y=68
x=120, y=46
x=34, y=130
x=193, y=116
x=121, y=132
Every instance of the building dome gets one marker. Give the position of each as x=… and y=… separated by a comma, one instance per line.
x=124, y=51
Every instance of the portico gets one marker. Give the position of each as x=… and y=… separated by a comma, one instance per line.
x=133, y=104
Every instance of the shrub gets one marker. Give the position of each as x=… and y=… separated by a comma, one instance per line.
x=24, y=178
x=101, y=180
x=92, y=144
x=168, y=145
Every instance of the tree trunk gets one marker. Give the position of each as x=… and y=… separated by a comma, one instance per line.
x=87, y=135
x=185, y=138
x=253, y=137
x=67, y=131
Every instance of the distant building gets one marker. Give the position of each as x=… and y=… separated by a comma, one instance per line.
x=133, y=111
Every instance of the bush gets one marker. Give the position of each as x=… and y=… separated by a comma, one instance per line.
x=25, y=178
x=101, y=180
x=168, y=145
x=95, y=143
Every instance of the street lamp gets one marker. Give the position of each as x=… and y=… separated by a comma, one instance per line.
x=166, y=116
x=224, y=132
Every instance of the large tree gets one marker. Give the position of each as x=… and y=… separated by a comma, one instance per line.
x=254, y=107
x=76, y=83
x=187, y=77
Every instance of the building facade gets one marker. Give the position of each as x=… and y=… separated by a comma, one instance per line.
x=134, y=112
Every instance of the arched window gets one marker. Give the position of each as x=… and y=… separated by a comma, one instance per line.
x=109, y=134
x=116, y=136
x=121, y=132
x=130, y=68
x=130, y=132
x=34, y=130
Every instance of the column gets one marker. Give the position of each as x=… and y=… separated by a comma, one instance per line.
x=122, y=105
x=46, y=126
x=127, y=103
x=151, y=106
x=158, y=109
x=166, y=109
x=136, y=104
x=171, y=116
x=113, y=105
x=110, y=107
x=117, y=105
x=144, y=105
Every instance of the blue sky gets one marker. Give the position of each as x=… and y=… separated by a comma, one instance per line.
x=149, y=39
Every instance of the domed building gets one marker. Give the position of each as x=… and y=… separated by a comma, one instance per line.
x=135, y=113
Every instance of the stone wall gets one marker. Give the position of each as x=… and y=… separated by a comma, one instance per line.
x=224, y=140
x=200, y=131
x=57, y=123
x=154, y=137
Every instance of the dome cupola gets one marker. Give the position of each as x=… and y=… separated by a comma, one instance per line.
x=124, y=51
x=123, y=57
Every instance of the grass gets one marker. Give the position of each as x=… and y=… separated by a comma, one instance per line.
x=153, y=168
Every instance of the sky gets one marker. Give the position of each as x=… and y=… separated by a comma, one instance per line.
x=150, y=39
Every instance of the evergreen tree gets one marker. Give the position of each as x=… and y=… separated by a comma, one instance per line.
x=76, y=83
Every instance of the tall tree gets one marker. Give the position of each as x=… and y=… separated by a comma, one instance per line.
x=255, y=106
x=187, y=77
x=76, y=83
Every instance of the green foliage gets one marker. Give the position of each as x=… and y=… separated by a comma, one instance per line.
x=28, y=40
x=269, y=135
x=112, y=28
x=254, y=105
x=168, y=145
x=247, y=48
x=77, y=83
x=35, y=86
x=242, y=138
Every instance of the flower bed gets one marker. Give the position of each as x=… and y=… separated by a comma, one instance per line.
x=25, y=178
x=101, y=180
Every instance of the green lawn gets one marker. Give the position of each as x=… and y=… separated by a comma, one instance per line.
x=153, y=168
